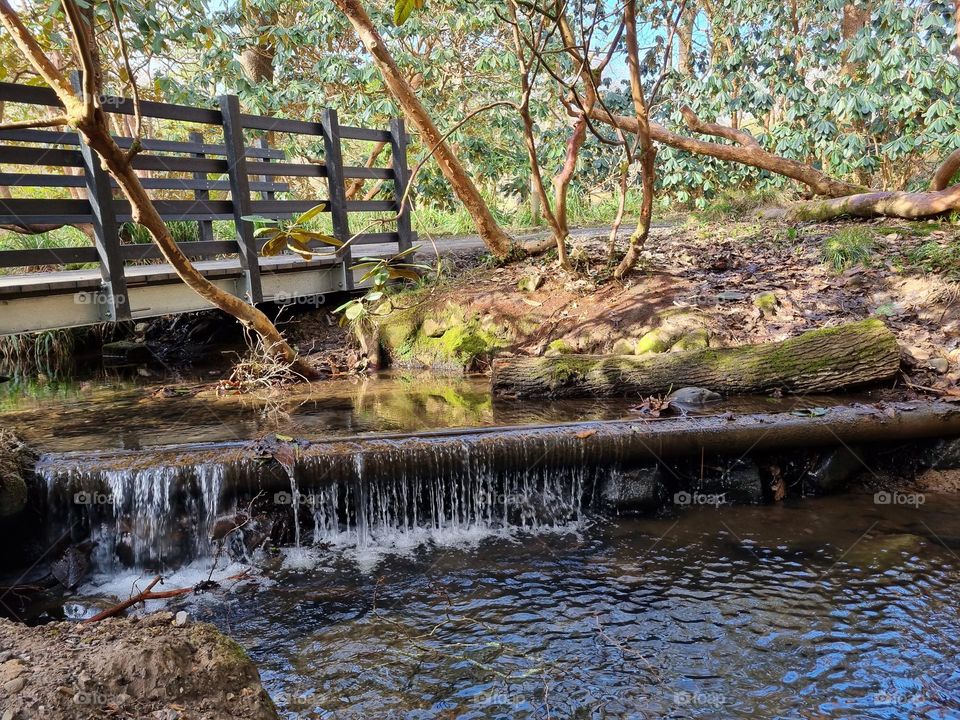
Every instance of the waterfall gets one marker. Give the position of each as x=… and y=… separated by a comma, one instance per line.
x=147, y=517
x=158, y=509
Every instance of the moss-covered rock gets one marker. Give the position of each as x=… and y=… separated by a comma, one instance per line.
x=15, y=465
x=767, y=303
x=655, y=341
x=624, y=346
x=449, y=337
x=560, y=347
x=699, y=339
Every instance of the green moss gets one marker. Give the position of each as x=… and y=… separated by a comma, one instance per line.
x=568, y=370
x=559, y=347
x=767, y=303
x=15, y=462
x=697, y=340
x=655, y=341
x=624, y=346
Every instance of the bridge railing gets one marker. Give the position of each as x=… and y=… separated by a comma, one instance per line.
x=254, y=175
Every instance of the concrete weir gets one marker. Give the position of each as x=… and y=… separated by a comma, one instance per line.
x=145, y=506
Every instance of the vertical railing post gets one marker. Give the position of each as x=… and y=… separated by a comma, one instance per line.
x=401, y=180
x=201, y=194
x=264, y=144
x=106, y=229
x=240, y=195
x=333, y=157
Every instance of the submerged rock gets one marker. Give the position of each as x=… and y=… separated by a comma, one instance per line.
x=640, y=488
x=148, y=667
x=835, y=471
x=693, y=396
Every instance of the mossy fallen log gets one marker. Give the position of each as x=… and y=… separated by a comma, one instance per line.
x=818, y=361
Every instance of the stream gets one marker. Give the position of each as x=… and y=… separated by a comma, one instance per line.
x=470, y=580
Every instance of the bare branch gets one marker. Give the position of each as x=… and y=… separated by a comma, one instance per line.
x=25, y=124
x=741, y=137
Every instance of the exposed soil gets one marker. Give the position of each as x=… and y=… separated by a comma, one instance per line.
x=127, y=668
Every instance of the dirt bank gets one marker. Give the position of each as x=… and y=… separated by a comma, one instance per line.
x=147, y=668
x=700, y=285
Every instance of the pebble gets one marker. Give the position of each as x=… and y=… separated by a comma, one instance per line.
x=15, y=685
x=181, y=619
x=941, y=365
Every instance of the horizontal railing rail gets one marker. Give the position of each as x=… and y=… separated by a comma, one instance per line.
x=247, y=176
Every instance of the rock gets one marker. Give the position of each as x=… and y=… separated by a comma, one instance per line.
x=16, y=463
x=697, y=340
x=11, y=670
x=623, y=346
x=939, y=364
x=147, y=668
x=559, y=347
x=693, y=396
x=181, y=619
x=637, y=489
x=767, y=303
x=835, y=471
x=739, y=484
x=15, y=685
x=655, y=341
x=530, y=283
x=126, y=351
x=433, y=328
x=944, y=455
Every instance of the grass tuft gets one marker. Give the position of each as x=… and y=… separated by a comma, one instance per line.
x=849, y=247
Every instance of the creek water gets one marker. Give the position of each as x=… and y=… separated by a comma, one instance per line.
x=829, y=608
x=471, y=585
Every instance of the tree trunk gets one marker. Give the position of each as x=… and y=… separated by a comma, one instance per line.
x=95, y=132
x=947, y=170
x=907, y=205
x=855, y=18
x=648, y=153
x=818, y=361
x=490, y=232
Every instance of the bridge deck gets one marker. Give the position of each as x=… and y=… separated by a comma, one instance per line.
x=71, y=298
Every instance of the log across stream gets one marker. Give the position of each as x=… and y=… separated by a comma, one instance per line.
x=819, y=361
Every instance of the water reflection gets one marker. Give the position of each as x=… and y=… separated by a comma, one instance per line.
x=126, y=411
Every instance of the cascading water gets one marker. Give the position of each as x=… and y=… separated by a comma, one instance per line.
x=141, y=517
x=376, y=494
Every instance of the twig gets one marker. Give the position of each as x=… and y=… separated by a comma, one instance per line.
x=24, y=124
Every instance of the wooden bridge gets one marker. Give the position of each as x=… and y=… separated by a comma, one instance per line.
x=237, y=175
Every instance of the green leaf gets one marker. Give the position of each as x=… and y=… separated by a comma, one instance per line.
x=402, y=10
x=354, y=311
x=311, y=213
